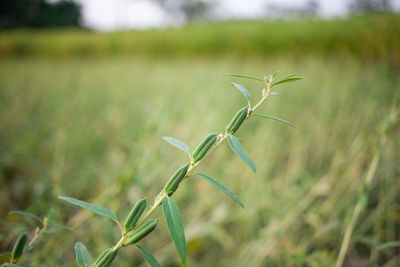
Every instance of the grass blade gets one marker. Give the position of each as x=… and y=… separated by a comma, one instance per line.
x=175, y=227
x=277, y=119
x=386, y=245
x=82, y=255
x=238, y=149
x=24, y=213
x=148, y=257
x=244, y=76
x=177, y=143
x=290, y=78
x=93, y=208
x=243, y=90
x=223, y=188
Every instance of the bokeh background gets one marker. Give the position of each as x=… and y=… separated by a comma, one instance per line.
x=88, y=88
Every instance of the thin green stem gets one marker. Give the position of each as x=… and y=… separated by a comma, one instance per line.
x=120, y=243
x=264, y=97
x=39, y=232
x=222, y=138
x=120, y=227
x=162, y=195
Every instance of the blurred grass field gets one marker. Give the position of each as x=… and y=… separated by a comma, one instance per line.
x=91, y=128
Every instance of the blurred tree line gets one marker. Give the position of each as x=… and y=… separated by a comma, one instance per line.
x=38, y=13
x=58, y=13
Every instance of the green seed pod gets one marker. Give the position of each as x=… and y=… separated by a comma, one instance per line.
x=205, y=145
x=134, y=215
x=141, y=231
x=175, y=179
x=18, y=247
x=106, y=258
x=237, y=120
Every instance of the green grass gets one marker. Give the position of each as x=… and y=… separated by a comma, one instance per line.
x=92, y=128
x=367, y=37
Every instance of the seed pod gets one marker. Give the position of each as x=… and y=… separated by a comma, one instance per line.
x=141, y=232
x=134, y=215
x=18, y=247
x=175, y=179
x=106, y=258
x=205, y=145
x=237, y=120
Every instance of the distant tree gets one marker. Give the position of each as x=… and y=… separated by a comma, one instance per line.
x=309, y=9
x=39, y=13
x=190, y=9
x=370, y=5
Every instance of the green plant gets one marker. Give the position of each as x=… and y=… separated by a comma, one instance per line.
x=22, y=245
x=136, y=226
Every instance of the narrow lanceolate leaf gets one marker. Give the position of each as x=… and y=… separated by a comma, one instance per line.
x=177, y=143
x=387, y=245
x=57, y=227
x=243, y=91
x=223, y=188
x=24, y=213
x=148, y=257
x=273, y=77
x=175, y=227
x=244, y=76
x=93, y=208
x=82, y=255
x=290, y=78
x=238, y=149
x=274, y=118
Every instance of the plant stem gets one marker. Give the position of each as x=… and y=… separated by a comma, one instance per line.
x=154, y=207
x=120, y=243
x=39, y=232
x=264, y=97
x=162, y=195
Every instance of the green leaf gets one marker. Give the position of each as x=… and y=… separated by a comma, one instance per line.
x=175, y=227
x=82, y=255
x=223, y=188
x=61, y=227
x=148, y=257
x=24, y=213
x=238, y=149
x=50, y=215
x=28, y=248
x=93, y=208
x=177, y=143
x=290, y=78
x=244, y=76
x=243, y=90
x=386, y=245
x=274, y=118
x=273, y=76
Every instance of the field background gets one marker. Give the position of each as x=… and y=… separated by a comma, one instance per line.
x=82, y=114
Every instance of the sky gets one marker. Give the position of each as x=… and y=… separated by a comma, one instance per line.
x=109, y=15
